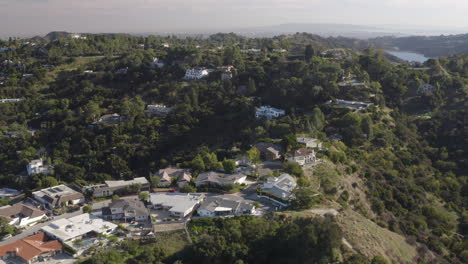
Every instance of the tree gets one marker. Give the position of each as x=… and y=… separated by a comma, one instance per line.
x=197, y=164
x=309, y=52
x=187, y=189
x=5, y=227
x=366, y=124
x=318, y=119
x=229, y=166
x=304, y=198
x=251, y=87
x=293, y=168
x=253, y=155
x=47, y=182
x=144, y=196
x=154, y=181
x=87, y=209
x=289, y=142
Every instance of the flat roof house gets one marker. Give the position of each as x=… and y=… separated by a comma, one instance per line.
x=36, y=167
x=168, y=175
x=279, y=187
x=111, y=187
x=220, y=206
x=22, y=215
x=54, y=197
x=268, y=112
x=31, y=249
x=178, y=204
x=269, y=151
x=196, y=73
x=80, y=226
x=219, y=179
x=127, y=210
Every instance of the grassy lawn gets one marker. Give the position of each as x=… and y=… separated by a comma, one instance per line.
x=172, y=242
x=76, y=64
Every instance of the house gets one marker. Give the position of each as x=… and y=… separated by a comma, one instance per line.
x=212, y=178
x=427, y=89
x=157, y=63
x=22, y=215
x=352, y=104
x=31, y=249
x=168, y=175
x=111, y=119
x=158, y=110
x=54, y=197
x=302, y=156
x=279, y=189
x=36, y=167
x=226, y=72
x=78, y=227
x=178, y=204
x=269, y=151
x=122, y=71
x=309, y=142
x=220, y=206
x=8, y=193
x=280, y=50
x=77, y=36
x=196, y=73
x=268, y=112
x=12, y=100
x=28, y=75
x=127, y=210
x=112, y=187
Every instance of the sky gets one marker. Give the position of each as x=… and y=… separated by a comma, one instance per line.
x=38, y=17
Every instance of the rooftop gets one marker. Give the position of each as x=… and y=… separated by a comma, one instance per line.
x=10, y=211
x=121, y=183
x=66, y=229
x=179, y=202
x=31, y=247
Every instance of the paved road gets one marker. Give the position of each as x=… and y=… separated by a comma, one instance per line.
x=31, y=230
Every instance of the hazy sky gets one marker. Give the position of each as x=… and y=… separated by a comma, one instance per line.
x=20, y=17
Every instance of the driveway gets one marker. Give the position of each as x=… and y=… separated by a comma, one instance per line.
x=31, y=230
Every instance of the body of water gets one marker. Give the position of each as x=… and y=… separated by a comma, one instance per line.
x=408, y=55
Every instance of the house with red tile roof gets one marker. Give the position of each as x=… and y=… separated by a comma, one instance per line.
x=31, y=249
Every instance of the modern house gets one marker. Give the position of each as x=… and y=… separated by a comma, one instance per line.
x=268, y=112
x=22, y=215
x=178, y=204
x=220, y=206
x=309, y=142
x=278, y=189
x=269, y=151
x=212, y=178
x=56, y=196
x=31, y=249
x=351, y=104
x=112, y=187
x=168, y=175
x=78, y=227
x=302, y=156
x=196, y=73
x=11, y=100
x=36, y=167
x=127, y=210
x=8, y=193
x=158, y=110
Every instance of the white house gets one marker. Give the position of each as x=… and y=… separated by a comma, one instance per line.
x=36, y=167
x=111, y=187
x=22, y=215
x=126, y=210
x=157, y=63
x=196, y=73
x=302, y=156
x=309, y=142
x=11, y=100
x=178, y=204
x=212, y=178
x=221, y=206
x=67, y=230
x=280, y=187
x=158, y=110
x=268, y=112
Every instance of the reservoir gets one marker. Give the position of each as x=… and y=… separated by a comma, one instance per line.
x=408, y=55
